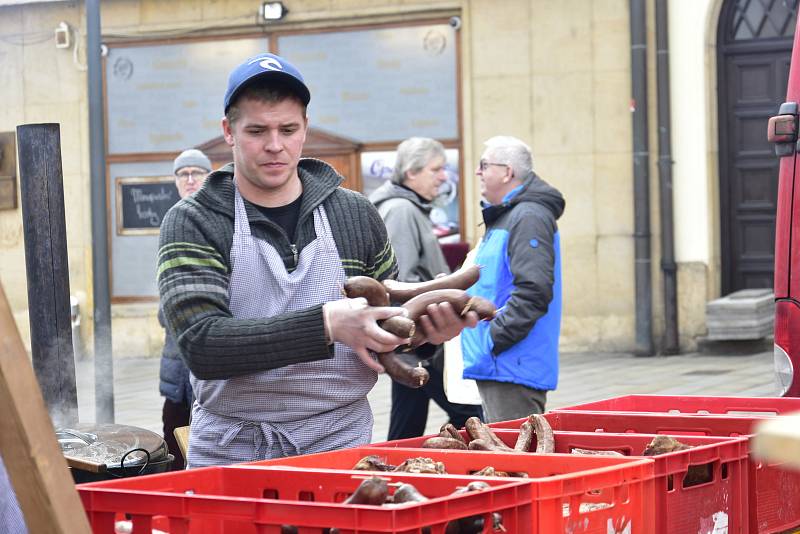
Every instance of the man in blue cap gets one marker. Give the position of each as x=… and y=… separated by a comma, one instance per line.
x=250, y=275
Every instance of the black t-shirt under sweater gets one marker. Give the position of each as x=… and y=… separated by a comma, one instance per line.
x=284, y=216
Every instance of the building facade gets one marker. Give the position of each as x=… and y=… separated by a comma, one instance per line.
x=555, y=74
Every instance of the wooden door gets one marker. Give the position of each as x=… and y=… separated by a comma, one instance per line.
x=341, y=153
x=345, y=164
x=754, y=45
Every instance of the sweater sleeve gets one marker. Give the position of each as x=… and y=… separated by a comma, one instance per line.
x=532, y=261
x=193, y=282
x=383, y=262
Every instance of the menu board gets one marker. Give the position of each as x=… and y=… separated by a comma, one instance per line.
x=143, y=202
x=134, y=236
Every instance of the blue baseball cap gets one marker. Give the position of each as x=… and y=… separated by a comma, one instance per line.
x=264, y=66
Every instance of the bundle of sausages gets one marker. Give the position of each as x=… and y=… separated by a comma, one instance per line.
x=415, y=298
x=375, y=491
x=423, y=465
x=483, y=438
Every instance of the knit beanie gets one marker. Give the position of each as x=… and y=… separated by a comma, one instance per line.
x=191, y=158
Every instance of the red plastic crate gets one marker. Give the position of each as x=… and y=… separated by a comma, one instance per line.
x=692, y=405
x=722, y=499
x=773, y=492
x=246, y=499
x=620, y=488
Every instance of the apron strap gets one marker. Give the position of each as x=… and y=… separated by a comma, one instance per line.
x=241, y=223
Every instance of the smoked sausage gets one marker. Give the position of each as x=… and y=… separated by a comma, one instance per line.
x=461, y=279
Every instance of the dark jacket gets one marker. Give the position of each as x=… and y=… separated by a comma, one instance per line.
x=173, y=376
x=520, y=262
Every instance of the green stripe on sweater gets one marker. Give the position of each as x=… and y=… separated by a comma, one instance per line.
x=184, y=246
x=384, y=267
x=183, y=261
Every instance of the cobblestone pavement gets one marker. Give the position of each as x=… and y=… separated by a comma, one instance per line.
x=583, y=377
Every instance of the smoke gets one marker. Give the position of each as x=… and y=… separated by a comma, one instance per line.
x=54, y=366
x=103, y=373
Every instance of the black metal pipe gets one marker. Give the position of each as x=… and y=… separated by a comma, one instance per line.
x=668, y=266
x=641, y=179
x=103, y=359
x=47, y=268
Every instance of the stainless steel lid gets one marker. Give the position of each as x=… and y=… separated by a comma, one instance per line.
x=111, y=445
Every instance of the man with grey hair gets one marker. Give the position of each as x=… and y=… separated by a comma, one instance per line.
x=404, y=204
x=514, y=357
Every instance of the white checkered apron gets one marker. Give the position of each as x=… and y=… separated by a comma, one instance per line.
x=11, y=519
x=297, y=409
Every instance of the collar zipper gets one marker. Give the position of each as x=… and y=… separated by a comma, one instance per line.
x=294, y=253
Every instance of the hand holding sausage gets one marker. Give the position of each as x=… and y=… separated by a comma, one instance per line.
x=461, y=279
x=441, y=314
x=442, y=322
x=353, y=323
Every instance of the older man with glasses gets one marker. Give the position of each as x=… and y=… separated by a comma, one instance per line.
x=191, y=168
x=514, y=357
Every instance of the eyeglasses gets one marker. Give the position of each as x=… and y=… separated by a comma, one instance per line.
x=194, y=175
x=483, y=165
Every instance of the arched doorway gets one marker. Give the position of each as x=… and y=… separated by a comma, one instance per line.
x=754, y=45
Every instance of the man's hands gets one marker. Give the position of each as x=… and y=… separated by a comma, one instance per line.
x=441, y=323
x=352, y=323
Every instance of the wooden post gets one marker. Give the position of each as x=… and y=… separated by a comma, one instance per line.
x=33, y=459
x=42, y=192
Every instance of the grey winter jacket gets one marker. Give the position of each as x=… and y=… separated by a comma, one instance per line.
x=406, y=215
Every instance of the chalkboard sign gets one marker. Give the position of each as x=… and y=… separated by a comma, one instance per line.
x=142, y=203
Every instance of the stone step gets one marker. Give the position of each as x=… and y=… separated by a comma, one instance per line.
x=742, y=315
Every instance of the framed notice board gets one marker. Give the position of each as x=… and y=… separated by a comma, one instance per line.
x=142, y=202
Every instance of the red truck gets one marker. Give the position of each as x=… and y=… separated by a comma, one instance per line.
x=782, y=130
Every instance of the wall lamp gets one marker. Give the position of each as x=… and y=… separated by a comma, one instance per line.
x=273, y=11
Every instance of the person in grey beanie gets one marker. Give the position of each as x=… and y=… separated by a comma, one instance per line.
x=191, y=168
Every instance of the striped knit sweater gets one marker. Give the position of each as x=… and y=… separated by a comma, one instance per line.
x=194, y=268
